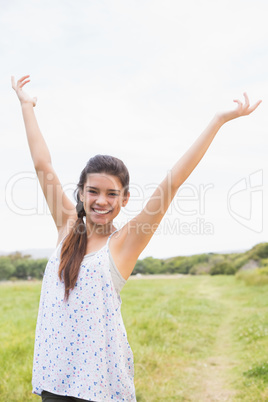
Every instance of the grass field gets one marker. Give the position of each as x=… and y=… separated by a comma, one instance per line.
x=193, y=338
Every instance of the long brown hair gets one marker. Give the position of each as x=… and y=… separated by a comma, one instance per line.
x=75, y=244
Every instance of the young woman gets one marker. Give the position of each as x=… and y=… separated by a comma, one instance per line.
x=81, y=346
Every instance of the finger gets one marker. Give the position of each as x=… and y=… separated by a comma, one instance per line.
x=13, y=83
x=35, y=100
x=239, y=103
x=253, y=107
x=23, y=78
x=23, y=83
x=246, y=100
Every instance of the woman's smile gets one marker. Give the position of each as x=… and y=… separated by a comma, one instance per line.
x=101, y=211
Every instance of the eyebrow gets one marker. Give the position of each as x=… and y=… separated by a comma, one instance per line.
x=109, y=189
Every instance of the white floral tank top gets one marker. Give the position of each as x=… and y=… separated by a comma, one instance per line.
x=81, y=346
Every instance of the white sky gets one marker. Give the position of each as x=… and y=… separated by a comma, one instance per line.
x=139, y=80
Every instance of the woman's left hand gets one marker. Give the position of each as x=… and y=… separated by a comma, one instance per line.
x=243, y=109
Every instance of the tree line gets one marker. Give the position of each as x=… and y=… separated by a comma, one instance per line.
x=17, y=266
x=210, y=263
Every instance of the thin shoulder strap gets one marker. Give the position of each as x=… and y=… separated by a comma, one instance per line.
x=109, y=238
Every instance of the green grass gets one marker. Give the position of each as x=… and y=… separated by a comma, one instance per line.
x=18, y=313
x=193, y=338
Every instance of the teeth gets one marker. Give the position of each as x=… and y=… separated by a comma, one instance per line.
x=101, y=211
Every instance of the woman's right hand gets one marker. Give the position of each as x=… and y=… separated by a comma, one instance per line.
x=23, y=96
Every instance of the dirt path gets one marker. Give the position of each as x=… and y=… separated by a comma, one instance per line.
x=215, y=379
x=215, y=376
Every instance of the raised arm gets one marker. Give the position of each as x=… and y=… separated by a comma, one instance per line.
x=136, y=234
x=61, y=208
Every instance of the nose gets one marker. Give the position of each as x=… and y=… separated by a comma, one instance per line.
x=101, y=200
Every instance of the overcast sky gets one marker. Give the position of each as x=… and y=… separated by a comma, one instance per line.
x=139, y=80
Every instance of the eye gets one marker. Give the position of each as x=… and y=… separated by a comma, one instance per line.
x=113, y=194
x=92, y=191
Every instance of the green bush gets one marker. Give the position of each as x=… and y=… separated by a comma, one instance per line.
x=259, y=251
x=200, y=269
x=239, y=261
x=21, y=267
x=256, y=277
x=149, y=265
x=264, y=263
x=263, y=271
x=7, y=269
x=223, y=268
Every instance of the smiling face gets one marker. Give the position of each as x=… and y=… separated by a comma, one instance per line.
x=103, y=196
